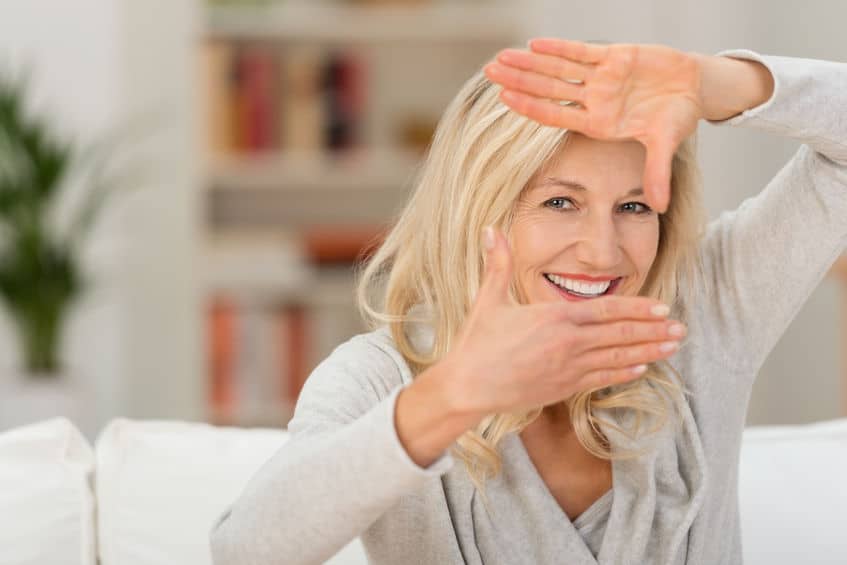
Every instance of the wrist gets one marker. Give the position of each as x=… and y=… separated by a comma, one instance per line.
x=447, y=378
x=428, y=417
x=729, y=86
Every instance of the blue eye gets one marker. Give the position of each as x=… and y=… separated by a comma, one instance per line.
x=645, y=209
x=557, y=203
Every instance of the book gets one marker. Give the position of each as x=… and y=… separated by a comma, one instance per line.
x=300, y=118
x=221, y=349
x=258, y=94
x=217, y=63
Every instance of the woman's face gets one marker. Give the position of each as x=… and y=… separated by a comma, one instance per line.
x=604, y=231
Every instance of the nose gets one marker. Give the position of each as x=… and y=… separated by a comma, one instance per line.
x=599, y=249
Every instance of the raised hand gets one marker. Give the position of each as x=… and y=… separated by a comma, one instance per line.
x=650, y=93
x=511, y=357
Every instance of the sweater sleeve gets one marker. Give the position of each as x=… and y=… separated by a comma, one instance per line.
x=763, y=260
x=342, y=467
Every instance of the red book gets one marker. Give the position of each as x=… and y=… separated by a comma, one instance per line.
x=345, y=99
x=295, y=342
x=257, y=84
x=351, y=85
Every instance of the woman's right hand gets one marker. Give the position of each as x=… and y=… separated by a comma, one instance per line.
x=512, y=357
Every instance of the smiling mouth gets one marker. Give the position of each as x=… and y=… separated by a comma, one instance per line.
x=576, y=294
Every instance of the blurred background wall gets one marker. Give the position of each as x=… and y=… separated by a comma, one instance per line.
x=134, y=343
x=207, y=225
x=802, y=379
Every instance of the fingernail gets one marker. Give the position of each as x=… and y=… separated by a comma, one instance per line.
x=676, y=329
x=488, y=237
x=638, y=369
x=660, y=310
x=668, y=346
x=508, y=96
x=505, y=57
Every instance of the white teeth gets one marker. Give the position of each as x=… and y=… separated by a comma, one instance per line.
x=580, y=286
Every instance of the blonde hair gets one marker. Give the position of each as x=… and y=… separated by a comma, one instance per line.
x=429, y=267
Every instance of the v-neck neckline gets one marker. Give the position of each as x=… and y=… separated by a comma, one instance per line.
x=539, y=483
x=636, y=493
x=550, y=507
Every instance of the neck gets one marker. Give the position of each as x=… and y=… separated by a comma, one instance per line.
x=557, y=417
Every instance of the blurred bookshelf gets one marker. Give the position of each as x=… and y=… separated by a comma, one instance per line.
x=314, y=117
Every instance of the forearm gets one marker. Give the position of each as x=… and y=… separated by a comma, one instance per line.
x=729, y=86
x=428, y=418
x=320, y=490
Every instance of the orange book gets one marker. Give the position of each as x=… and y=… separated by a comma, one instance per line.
x=217, y=61
x=222, y=354
x=327, y=244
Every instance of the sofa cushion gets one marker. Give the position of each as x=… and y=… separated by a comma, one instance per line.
x=162, y=484
x=46, y=500
x=792, y=493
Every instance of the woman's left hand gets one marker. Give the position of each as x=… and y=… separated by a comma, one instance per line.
x=650, y=93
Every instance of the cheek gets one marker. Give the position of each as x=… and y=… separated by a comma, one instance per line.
x=642, y=243
x=538, y=236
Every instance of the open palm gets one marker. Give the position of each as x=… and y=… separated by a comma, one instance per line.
x=649, y=93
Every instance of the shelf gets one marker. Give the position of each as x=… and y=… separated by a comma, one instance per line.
x=465, y=21
x=355, y=170
x=297, y=190
x=268, y=275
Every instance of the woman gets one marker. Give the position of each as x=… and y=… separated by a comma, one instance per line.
x=522, y=332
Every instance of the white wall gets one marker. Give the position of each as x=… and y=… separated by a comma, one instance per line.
x=800, y=382
x=134, y=341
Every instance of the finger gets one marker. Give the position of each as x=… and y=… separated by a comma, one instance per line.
x=570, y=49
x=546, y=112
x=555, y=67
x=498, y=268
x=625, y=356
x=613, y=308
x=603, y=378
x=533, y=83
x=627, y=332
x=657, y=174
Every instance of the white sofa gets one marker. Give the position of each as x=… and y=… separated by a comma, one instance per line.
x=148, y=492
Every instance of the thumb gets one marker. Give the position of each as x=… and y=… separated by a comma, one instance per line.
x=498, y=267
x=657, y=174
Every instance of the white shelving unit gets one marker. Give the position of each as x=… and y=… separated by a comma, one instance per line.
x=378, y=175
x=417, y=56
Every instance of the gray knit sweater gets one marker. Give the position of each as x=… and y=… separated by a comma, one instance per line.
x=344, y=472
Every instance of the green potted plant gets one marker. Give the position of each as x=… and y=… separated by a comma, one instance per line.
x=40, y=271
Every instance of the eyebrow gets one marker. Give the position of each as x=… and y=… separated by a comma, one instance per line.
x=555, y=181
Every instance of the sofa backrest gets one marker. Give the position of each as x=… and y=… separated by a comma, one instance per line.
x=160, y=485
x=47, y=503
x=793, y=493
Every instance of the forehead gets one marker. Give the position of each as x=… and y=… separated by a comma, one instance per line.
x=583, y=163
x=551, y=182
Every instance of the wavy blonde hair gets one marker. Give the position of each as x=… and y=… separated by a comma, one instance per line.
x=429, y=266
